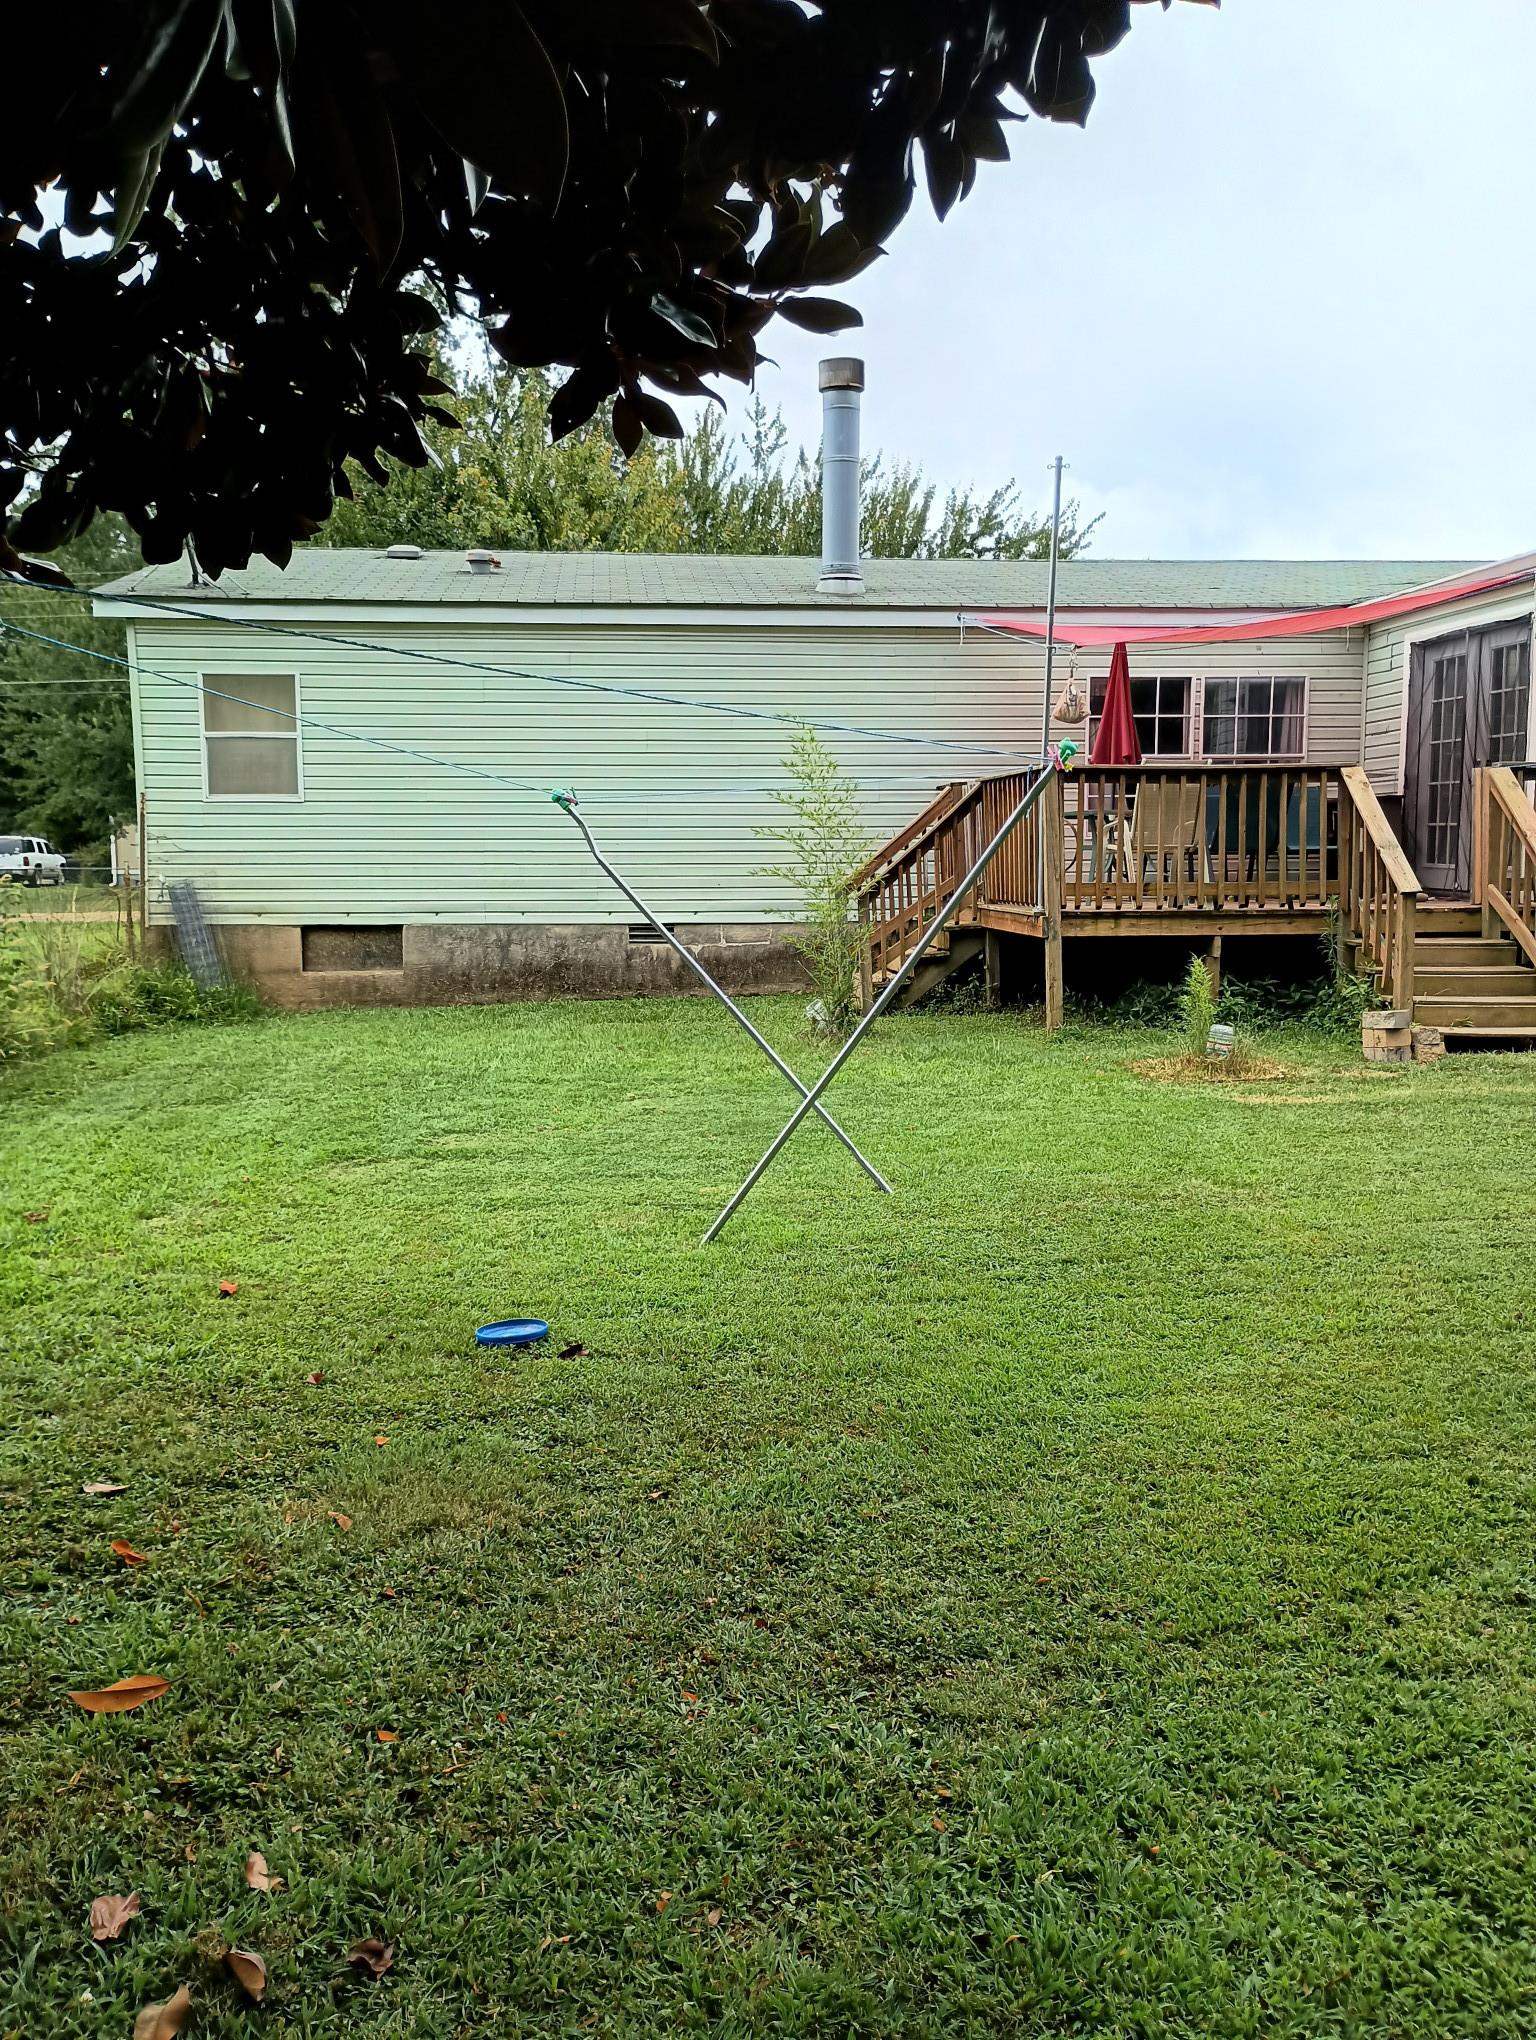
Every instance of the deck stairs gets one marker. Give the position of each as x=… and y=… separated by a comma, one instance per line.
x=1479, y=990
x=951, y=952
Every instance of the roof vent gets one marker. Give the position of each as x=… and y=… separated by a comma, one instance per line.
x=481, y=561
x=405, y=552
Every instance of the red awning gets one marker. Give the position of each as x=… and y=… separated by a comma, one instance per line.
x=1288, y=623
x=1115, y=741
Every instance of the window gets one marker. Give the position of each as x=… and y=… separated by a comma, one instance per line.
x=1509, y=702
x=1257, y=716
x=250, y=736
x=1160, y=710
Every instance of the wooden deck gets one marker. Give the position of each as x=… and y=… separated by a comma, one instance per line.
x=1180, y=850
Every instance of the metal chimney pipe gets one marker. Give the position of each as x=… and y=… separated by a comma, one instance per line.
x=840, y=380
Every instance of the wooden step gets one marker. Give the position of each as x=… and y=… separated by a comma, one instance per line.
x=1434, y=919
x=1500, y=1012
x=1451, y=952
x=1492, y=1037
x=1494, y=980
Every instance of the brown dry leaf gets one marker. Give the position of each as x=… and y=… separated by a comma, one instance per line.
x=248, y=1970
x=374, y=1956
x=315, y=1379
x=663, y=1900
x=110, y=1915
x=342, y=1522
x=123, y=1694
x=36, y=1217
x=164, y=2022
x=257, y=1875
x=712, y=1917
x=126, y=1552
x=105, y=1487
x=386, y=1735
x=228, y=1288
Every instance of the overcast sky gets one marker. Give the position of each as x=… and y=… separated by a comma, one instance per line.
x=1278, y=299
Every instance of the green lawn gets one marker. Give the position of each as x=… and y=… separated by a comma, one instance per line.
x=1090, y=1593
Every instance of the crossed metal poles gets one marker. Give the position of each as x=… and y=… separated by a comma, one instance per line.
x=810, y=1100
x=566, y=801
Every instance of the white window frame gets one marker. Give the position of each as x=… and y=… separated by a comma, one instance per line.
x=1197, y=707
x=1191, y=715
x=206, y=681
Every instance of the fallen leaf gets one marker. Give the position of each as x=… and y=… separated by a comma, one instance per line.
x=382, y=1438
x=712, y=1917
x=248, y=1970
x=663, y=1901
x=126, y=1552
x=374, y=1956
x=228, y=1288
x=36, y=1217
x=257, y=1875
x=164, y=2022
x=342, y=1522
x=105, y=1487
x=938, y=1825
x=575, y=1351
x=315, y=1380
x=386, y=1735
x=110, y=1915
x=123, y=1694
x=691, y=1698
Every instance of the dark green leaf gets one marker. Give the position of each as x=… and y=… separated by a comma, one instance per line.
x=820, y=314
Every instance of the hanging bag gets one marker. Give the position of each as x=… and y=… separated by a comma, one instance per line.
x=1071, y=704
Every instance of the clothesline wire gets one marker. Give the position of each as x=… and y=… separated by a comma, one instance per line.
x=302, y=719
x=484, y=667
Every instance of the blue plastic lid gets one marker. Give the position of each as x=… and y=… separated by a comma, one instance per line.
x=516, y=1331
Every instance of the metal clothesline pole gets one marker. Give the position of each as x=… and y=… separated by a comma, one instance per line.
x=566, y=801
x=1050, y=609
x=931, y=934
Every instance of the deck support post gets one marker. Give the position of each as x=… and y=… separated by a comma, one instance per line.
x=1213, y=965
x=1053, y=885
x=992, y=964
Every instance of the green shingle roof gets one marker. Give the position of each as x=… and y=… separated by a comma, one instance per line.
x=684, y=580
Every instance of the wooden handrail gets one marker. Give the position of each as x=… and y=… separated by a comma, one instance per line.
x=938, y=810
x=1369, y=809
x=1378, y=888
x=1506, y=836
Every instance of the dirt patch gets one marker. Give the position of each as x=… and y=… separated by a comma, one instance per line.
x=1202, y=1069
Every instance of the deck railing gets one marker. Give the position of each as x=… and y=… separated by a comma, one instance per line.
x=1504, y=880
x=1165, y=838
x=1378, y=889
x=1143, y=839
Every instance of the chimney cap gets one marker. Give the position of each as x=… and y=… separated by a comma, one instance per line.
x=840, y=372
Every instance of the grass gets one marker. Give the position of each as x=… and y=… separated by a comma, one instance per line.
x=1092, y=1593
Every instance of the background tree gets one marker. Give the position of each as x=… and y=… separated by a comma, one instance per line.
x=632, y=189
x=66, y=730
x=500, y=481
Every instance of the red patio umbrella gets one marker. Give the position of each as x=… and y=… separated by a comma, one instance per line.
x=1115, y=741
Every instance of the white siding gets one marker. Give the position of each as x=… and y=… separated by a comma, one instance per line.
x=1387, y=656
x=673, y=794
x=1330, y=663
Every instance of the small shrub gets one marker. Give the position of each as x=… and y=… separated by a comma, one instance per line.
x=166, y=995
x=1197, y=1007
x=826, y=842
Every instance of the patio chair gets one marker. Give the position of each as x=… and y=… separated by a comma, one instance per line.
x=1169, y=833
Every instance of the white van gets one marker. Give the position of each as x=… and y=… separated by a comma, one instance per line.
x=30, y=859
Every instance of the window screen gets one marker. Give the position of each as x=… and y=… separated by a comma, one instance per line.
x=1259, y=716
x=251, y=736
x=1159, y=709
